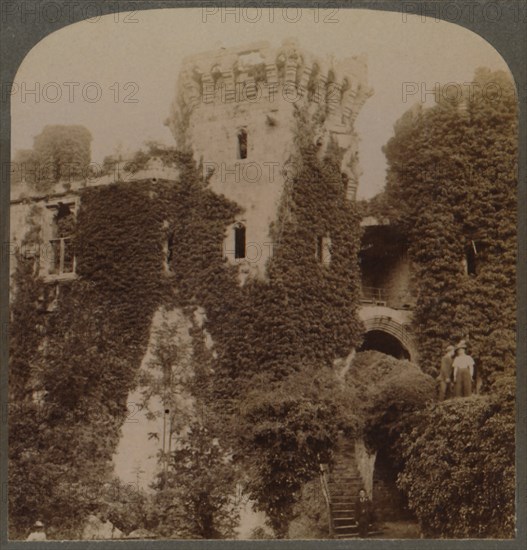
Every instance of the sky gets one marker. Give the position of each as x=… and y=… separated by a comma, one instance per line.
x=117, y=74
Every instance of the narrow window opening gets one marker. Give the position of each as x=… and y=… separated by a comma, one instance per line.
x=242, y=144
x=239, y=241
x=168, y=250
x=470, y=260
x=323, y=249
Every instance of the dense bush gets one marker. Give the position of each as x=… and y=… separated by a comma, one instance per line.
x=459, y=466
x=382, y=390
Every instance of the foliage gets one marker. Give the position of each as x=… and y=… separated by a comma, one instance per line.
x=196, y=499
x=287, y=430
x=83, y=354
x=275, y=340
x=59, y=153
x=125, y=505
x=459, y=471
x=310, y=519
x=451, y=188
x=383, y=391
x=166, y=377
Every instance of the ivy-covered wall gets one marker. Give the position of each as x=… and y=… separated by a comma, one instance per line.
x=140, y=245
x=451, y=187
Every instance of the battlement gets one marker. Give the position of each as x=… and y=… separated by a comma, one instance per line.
x=234, y=108
x=258, y=72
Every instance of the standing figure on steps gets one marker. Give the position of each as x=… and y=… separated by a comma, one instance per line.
x=363, y=513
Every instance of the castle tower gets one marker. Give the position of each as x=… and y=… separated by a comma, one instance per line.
x=234, y=108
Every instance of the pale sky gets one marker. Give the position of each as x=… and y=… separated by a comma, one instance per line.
x=138, y=58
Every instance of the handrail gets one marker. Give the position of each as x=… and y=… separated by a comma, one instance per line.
x=327, y=497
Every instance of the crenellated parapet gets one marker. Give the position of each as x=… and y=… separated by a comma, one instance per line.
x=235, y=109
x=258, y=72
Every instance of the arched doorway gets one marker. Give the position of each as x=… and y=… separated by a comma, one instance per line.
x=388, y=331
x=384, y=342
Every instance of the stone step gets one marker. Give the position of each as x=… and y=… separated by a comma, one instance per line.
x=344, y=521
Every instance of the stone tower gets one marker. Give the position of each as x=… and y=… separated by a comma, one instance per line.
x=234, y=108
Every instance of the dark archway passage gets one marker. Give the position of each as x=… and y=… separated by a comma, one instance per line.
x=379, y=340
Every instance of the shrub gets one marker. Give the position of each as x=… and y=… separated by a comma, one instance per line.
x=459, y=466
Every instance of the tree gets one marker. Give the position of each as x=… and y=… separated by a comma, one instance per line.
x=63, y=153
x=167, y=378
x=196, y=499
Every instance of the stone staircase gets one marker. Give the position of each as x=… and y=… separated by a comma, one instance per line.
x=344, y=485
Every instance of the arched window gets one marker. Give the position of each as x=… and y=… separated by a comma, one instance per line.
x=239, y=241
x=242, y=144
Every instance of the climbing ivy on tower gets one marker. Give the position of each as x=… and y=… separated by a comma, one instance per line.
x=452, y=178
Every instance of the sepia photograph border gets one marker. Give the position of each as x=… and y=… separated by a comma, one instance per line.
x=508, y=36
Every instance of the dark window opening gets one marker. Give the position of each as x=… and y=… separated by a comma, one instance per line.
x=471, y=259
x=242, y=144
x=239, y=241
x=318, y=248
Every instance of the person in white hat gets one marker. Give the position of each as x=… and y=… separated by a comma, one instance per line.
x=445, y=373
x=38, y=533
x=463, y=366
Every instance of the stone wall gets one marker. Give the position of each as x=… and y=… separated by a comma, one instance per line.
x=255, y=89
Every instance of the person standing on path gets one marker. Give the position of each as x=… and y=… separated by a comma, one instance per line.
x=363, y=510
x=445, y=374
x=463, y=366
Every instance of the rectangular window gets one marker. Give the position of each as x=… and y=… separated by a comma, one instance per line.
x=239, y=241
x=470, y=260
x=242, y=144
x=59, y=256
x=62, y=258
x=168, y=252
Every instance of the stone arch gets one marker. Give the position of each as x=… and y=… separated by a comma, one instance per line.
x=388, y=330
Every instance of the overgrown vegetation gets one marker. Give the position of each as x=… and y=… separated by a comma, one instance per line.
x=59, y=153
x=459, y=470
x=452, y=189
x=267, y=390
x=90, y=346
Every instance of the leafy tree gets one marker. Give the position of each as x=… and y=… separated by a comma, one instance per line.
x=63, y=153
x=167, y=379
x=287, y=429
x=126, y=505
x=196, y=499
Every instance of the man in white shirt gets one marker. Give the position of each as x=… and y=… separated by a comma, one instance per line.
x=38, y=533
x=463, y=371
